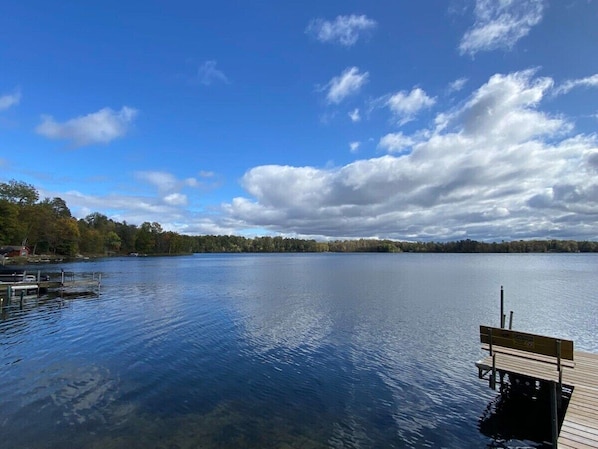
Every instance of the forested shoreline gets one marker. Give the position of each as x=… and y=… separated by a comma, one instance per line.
x=47, y=227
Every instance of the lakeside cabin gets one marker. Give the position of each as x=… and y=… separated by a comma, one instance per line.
x=14, y=251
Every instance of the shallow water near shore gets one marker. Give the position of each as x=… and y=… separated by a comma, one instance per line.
x=278, y=351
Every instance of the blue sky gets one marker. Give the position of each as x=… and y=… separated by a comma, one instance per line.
x=406, y=120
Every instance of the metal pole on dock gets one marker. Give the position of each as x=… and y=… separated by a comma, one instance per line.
x=511, y=321
x=502, y=307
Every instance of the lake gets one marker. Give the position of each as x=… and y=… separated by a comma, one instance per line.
x=279, y=351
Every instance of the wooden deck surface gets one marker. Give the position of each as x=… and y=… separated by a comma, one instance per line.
x=580, y=426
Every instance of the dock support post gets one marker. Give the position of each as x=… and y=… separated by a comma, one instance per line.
x=493, y=374
x=511, y=320
x=501, y=375
x=554, y=416
x=560, y=369
x=492, y=379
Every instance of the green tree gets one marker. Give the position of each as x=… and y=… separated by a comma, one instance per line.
x=127, y=234
x=145, y=241
x=113, y=241
x=9, y=223
x=97, y=221
x=66, y=237
x=18, y=192
x=58, y=207
x=90, y=240
x=40, y=226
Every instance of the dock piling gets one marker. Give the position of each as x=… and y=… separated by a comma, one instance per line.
x=554, y=414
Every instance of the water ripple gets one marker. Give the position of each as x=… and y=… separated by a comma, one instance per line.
x=275, y=351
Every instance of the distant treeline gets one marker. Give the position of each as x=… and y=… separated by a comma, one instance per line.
x=228, y=244
x=47, y=227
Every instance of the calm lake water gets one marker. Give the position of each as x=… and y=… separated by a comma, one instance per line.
x=278, y=351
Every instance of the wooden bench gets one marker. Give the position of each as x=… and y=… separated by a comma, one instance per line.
x=531, y=347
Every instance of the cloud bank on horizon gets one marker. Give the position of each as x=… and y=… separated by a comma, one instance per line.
x=500, y=144
x=485, y=168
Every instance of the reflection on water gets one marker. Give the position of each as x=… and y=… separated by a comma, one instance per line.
x=88, y=394
x=277, y=351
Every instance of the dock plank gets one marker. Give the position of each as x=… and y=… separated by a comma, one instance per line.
x=580, y=425
x=567, y=443
x=579, y=429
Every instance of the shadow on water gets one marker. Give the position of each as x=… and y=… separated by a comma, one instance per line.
x=520, y=416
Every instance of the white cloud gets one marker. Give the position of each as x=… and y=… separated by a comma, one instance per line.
x=207, y=74
x=500, y=168
x=500, y=24
x=132, y=208
x=170, y=188
x=163, y=181
x=167, y=182
x=406, y=105
x=344, y=30
x=396, y=142
x=176, y=199
x=457, y=85
x=98, y=127
x=168, y=204
x=347, y=83
x=567, y=86
x=354, y=146
x=505, y=108
x=9, y=100
x=354, y=115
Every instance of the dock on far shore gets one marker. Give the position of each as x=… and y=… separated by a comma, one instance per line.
x=549, y=363
x=67, y=284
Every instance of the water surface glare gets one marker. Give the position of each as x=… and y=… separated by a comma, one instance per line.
x=278, y=351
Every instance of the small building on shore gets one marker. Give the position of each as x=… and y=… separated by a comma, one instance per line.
x=14, y=251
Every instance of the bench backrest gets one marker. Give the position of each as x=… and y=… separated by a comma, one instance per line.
x=522, y=341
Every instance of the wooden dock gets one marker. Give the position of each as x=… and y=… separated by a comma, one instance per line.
x=579, y=427
x=68, y=283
